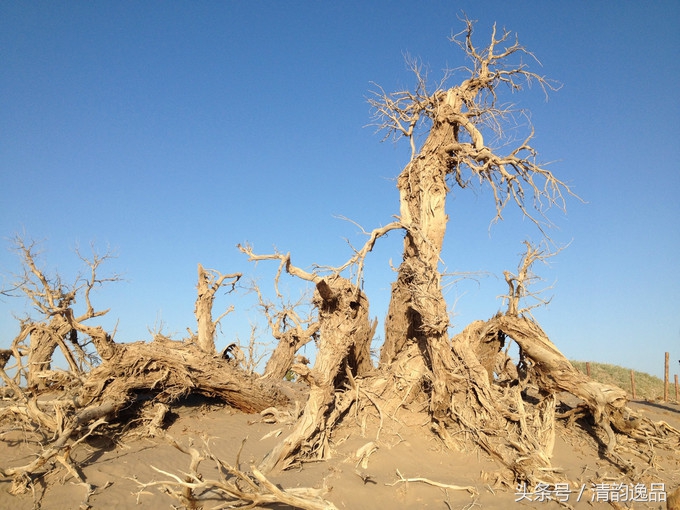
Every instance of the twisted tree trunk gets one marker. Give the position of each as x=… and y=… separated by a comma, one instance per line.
x=209, y=281
x=345, y=333
x=417, y=311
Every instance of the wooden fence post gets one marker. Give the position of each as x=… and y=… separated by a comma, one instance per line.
x=632, y=383
x=665, y=377
x=588, y=368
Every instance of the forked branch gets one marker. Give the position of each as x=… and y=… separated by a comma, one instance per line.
x=518, y=284
x=357, y=259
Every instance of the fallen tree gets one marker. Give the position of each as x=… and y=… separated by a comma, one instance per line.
x=106, y=380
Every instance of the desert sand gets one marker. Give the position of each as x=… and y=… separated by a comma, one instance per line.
x=117, y=469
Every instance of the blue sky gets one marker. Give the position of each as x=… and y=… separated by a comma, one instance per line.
x=171, y=131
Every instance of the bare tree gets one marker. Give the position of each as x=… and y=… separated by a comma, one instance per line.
x=458, y=373
x=454, y=153
x=104, y=377
x=290, y=331
x=455, y=376
x=209, y=282
x=345, y=335
x=58, y=324
x=457, y=379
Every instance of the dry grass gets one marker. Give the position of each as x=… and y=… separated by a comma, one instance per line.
x=646, y=386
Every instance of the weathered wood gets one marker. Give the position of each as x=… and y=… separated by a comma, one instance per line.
x=283, y=356
x=344, y=326
x=171, y=369
x=209, y=282
x=555, y=373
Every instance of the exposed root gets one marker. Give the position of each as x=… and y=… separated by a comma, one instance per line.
x=234, y=486
x=441, y=485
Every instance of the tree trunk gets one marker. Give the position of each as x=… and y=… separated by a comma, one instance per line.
x=203, y=312
x=417, y=306
x=417, y=310
x=555, y=373
x=170, y=370
x=42, y=347
x=344, y=326
x=209, y=281
x=44, y=340
x=282, y=358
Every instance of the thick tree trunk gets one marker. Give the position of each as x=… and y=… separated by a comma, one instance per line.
x=172, y=369
x=283, y=356
x=417, y=311
x=203, y=312
x=281, y=360
x=344, y=327
x=417, y=307
x=42, y=347
x=555, y=373
x=44, y=340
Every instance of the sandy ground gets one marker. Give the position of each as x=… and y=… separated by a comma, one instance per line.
x=116, y=469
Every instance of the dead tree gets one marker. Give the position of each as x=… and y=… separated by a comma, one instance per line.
x=58, y=325
x=104, y=380
x=454, y=153
x=289, y=330
x=458, y=373
x=209, y=282
x=481, y=407
x=345, y=334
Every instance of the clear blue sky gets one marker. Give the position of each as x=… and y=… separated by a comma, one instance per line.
x=171, y=131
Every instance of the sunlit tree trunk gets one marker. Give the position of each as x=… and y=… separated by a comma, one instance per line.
x=209, y=281
x=416, y=311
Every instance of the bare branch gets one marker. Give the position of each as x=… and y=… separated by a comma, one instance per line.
x=285, y=263
x=399, y=113
x=94, y=280
x=360, y=255
x=58, y=324
x=518, y=285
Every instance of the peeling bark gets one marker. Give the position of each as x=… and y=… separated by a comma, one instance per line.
x=209, y=282
x=344, y=328
x=283, y=356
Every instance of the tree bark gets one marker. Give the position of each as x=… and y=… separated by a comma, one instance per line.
x=44, y=340
x=203, y=312
x=344, y=325
x=283, y=356
x=172, y=369
x=209, y=281
x=415, y=308
x=555, y=373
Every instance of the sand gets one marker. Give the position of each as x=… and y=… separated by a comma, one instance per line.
x=407, y=449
